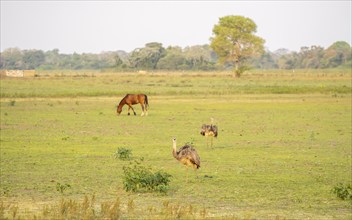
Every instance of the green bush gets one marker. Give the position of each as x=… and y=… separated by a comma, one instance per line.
x=138, y=178
x=123, y=153
x=62, y=187
x=12, y=103
x=344, y=192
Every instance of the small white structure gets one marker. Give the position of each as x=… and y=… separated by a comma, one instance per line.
x=14, y=73
x=142, y=72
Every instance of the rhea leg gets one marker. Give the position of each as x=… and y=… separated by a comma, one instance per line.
x=195, y=170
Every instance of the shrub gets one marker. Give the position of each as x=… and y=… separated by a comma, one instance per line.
x=123, y=153
x=62, y=187
x=342, y=191
x=140, y=178
x=12, y=103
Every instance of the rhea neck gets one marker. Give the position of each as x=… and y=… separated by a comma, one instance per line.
x=174, y=148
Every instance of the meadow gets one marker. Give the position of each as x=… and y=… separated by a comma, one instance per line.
x=284, y=143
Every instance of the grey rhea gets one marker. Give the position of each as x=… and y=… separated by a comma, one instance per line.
x=187, y=155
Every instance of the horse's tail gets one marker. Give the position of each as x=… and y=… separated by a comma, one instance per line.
x=146, y=101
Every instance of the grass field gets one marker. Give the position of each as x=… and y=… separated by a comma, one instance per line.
x=284, y=143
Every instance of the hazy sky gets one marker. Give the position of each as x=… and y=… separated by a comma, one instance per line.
x=96, y=26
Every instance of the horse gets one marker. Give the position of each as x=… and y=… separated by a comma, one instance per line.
x=132, y=99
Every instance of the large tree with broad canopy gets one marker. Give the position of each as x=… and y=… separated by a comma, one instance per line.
x=234, y=42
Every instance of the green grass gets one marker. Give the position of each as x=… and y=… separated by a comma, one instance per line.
x=277, y=155
x=161, y=84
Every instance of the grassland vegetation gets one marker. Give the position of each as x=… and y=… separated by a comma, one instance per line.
x=123, y=153
x=97, y=84
x=343, y=191
x=139, y=178
x=62, y=187
x=284, y=144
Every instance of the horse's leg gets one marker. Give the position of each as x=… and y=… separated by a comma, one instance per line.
x=146, y=109
x=142, y=109
x=132, y=109
x=128, y=110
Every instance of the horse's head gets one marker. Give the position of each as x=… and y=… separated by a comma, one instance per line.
x=118, y=111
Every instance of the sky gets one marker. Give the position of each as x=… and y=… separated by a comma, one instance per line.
x=98, y=26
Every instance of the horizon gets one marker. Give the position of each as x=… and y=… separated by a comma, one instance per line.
x=112, y=51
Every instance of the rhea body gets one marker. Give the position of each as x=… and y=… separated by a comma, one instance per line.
x=187, y=155
x=209, y=131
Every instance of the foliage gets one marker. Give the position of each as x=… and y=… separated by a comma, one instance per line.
x=12, y=103
x=235, y=43
x=62, y=187
x=138, y=178
x=123, y=153
x=338, y=54
x=12, y=58
x=342, y=191
x=267, y=60
x=33, y=58
x=173, y=60
x=147, y=57
x=199, y=57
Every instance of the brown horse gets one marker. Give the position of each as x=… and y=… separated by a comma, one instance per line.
x=132, y=99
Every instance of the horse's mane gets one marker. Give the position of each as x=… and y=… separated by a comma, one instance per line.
x=123, y=99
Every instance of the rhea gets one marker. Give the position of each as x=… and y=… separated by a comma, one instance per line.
x=187, y=155
x=209, y=131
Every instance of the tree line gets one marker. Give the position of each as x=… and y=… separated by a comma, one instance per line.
x=338, y=55
x=233, y=45
x=155, y=57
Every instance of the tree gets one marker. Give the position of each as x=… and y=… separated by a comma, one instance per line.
x=199, y=57
x=148, y=56
x=11, y=58
x=52, y=60
x=265, y=61
x=173, y=60
x=32, y=59
x=288, y=61
x=234, y=42
x=311, y=58
x=337, y=54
